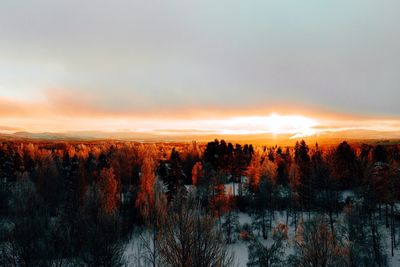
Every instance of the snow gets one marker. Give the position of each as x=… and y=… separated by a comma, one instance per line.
x=232, y=188
x=239, y=248
x=395, y=260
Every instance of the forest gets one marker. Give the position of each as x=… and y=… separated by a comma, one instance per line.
x=120, y=203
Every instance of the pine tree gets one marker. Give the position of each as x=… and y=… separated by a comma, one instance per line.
x=302, y=160
x=261, y=205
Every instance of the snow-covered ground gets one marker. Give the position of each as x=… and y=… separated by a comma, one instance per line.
x=240, y=247
x=240, y=250
x=395, y=260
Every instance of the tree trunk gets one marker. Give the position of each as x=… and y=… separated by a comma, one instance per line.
x=264, y=230
x=331, y=220
x=375, y=241
x=386, y=216
x=287, y=217
x=392, y=229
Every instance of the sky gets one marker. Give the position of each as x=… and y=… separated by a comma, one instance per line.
x=226, y=66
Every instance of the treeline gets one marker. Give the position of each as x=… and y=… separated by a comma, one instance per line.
x=75, y=203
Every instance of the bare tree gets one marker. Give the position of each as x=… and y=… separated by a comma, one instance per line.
x=316, y=245
x=268, y=256
x=154, y=220
x=189, y=237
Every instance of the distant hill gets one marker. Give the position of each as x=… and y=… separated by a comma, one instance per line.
x=328, y=137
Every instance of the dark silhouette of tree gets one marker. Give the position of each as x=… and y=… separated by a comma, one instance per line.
x=90, y=168
x=302, y=160
x=48, y=181
x=175, y=175
x=261, y=205
x=345, y=166
x=324, y=187
x=366, y=248
x=282, y=170
x=231, y=221
x=380, y=154
x=267, y=255
x=99, y=232
x=211, y=154
x=104, y=162
x=31, y=221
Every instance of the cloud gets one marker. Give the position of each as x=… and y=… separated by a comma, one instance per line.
x=10, y=107
x=85, y=103
x=9, y=129
x=140, y=65
x=141, y=58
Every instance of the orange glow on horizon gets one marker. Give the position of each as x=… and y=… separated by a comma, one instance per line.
x=38, y=117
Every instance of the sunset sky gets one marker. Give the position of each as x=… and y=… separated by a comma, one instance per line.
x=226, y=67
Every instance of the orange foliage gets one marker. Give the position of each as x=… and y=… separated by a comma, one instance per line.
x=197, y=172
x=145, y=199
x=281, y=230
x=223, y=201
x=254, y=172
x=109, y=188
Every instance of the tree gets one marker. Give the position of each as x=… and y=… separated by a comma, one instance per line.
x=345, y=166
x=261, y=255
x=48, y=181
x=175, y=175
x=220, y=201
x=189, y=159
x=99, y=232
x=231, y=221
x=189, y=237
x=31, y=221
x=108, y=185
x=366, y=248
x=302, y=160
x=71, y=173
x=282, y=172
x=324, y=186
x=145, y=198
x=261, y=204
x=253, y=173
x=211, y=154
x=316, y=245
x=239, y=166
x=363, y=222
x=197, y=173
x=379, y=154
x=154, y=221
x=90, y=168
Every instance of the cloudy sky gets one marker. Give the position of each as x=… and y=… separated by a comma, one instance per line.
x=111, y=65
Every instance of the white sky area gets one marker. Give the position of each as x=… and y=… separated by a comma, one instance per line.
x=67, y=60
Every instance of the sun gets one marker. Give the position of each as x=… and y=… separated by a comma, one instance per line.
x=296, y=125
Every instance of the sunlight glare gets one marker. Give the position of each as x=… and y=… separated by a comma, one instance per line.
x=298, y=126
